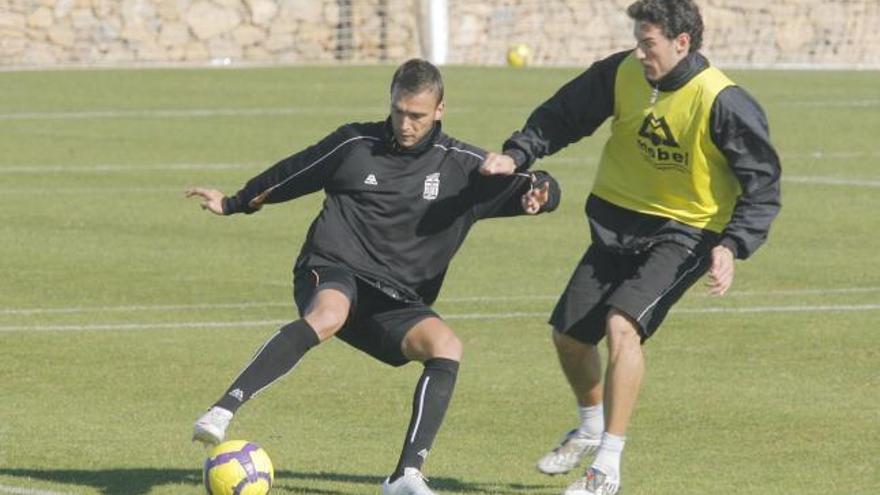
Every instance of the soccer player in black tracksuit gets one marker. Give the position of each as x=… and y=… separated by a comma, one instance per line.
x=400, y=198
x=687, y=182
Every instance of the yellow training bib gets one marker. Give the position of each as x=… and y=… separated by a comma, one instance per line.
x=660, y=159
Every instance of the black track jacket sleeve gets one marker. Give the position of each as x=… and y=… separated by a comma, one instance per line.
x=739, y=129
x=502, y=196
x=575, y=111
x=297, y=175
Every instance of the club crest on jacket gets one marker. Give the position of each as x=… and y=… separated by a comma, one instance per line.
x=432, y=186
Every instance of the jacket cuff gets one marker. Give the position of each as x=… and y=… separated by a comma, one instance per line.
x=233, y=204
x=519, y=157
x=230, y=205
x=730, y=243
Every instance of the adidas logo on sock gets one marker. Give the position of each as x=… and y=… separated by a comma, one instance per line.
x=238, y=394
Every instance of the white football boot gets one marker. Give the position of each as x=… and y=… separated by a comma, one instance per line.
x=411, y=483
x=571, y=450
x=594, y=482
x=210, y=428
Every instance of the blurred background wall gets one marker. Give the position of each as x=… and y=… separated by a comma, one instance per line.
x=755, y=33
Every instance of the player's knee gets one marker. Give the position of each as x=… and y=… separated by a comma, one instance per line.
x=568, y=345
x=437, y=345
x=622, y=331
x=429, y=339
x=448, y=346
x=327, y=321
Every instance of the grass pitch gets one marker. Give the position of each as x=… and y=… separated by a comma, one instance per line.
x=125, y=310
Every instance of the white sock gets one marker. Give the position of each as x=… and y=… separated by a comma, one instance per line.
x=608, y=458
x=592, y=421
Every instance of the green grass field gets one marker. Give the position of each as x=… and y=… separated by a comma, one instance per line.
x=125, y=310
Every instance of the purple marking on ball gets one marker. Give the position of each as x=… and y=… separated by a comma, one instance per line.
x=243, y=456
x=245, y=483
x=206, y=479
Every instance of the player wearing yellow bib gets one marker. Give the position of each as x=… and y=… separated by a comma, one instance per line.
x=687, y=182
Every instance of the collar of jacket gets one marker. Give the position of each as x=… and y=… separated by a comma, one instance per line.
x=422, y=146
x=684, y=71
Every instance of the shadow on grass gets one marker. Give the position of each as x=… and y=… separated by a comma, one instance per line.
x=141, y=481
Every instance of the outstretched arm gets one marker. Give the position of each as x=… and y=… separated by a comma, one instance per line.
x=518, y=194
x=297, y=175
x=576, y=110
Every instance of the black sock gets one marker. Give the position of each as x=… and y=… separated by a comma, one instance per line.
x=272, y=361
x=430, y=401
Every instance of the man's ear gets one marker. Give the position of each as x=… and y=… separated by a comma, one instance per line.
x=682, y=43
x=438, y=112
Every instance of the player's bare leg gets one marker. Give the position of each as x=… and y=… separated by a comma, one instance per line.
x=328, y=312
x=431, y=338
x=582, y=366
x=623, y=380
x=626, y=369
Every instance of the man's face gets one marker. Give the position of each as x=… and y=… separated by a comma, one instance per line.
x=657, y=53
x=413, y=115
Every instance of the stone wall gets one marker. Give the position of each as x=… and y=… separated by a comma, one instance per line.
x=737, y=32
x=124, y=32
x=43, y=33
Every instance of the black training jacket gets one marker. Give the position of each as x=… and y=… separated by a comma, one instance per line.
x=394, y=217
x=738, y=128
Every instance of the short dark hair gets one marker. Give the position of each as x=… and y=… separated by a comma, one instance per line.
x=672, y=16
x=417, y=75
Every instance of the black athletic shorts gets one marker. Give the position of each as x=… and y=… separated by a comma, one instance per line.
x=643, y=286
x=377, y=322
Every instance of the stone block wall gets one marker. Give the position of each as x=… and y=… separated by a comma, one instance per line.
x=46, y=33
x=127, y=32
x=737, y=32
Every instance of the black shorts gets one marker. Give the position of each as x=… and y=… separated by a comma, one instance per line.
x=643, y=286
x=376, y=324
